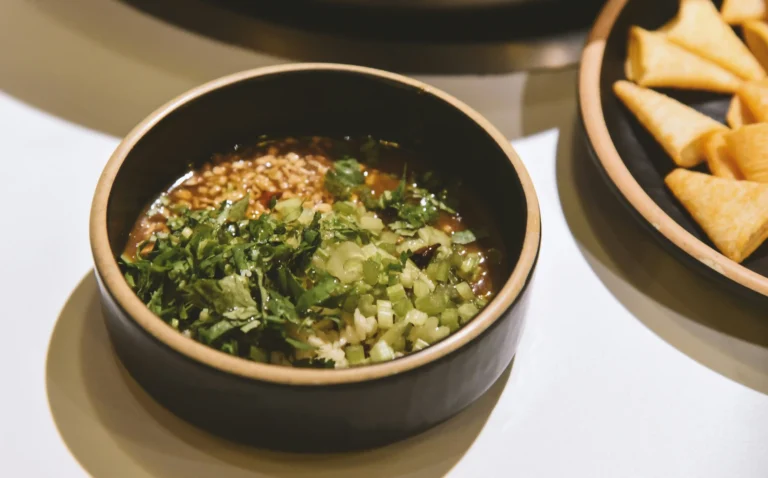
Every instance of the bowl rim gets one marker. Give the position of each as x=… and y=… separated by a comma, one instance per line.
x=108, y=270
x=605, y=151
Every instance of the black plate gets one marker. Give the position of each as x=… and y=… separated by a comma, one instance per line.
x=643, y=157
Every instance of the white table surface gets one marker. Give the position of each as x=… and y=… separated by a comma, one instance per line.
x=630, y=365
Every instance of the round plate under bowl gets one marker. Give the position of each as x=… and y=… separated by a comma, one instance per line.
x=635, y=165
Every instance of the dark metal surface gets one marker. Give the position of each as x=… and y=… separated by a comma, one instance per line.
x=512, y=37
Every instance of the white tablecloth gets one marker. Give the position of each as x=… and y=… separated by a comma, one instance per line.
x=630, y=365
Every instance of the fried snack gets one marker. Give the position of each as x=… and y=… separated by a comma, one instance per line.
x=654, y=61
x=748, y=148
x=699, y=28
x=734, y=214
x=756, y=36
x=738, y=114
x=718, y=158
x=681, y=130
x=740, y=11
x=754, y=97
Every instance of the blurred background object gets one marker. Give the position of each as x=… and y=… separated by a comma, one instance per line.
x=411, y=36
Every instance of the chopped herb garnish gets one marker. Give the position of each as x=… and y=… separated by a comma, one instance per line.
x=365, y=279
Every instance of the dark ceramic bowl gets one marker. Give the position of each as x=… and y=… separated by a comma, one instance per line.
x=635, y=165
x=307, y=409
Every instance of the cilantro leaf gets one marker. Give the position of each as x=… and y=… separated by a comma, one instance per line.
x=343, y=178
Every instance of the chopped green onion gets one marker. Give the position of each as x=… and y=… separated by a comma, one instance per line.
x=384, y=314
x=257, y=355
x=371, y=223
x=389, y=237
x=416, y=317
x=382, y=352
x=401, y=307
x=470, y=263
x=465, y=291
x=420, y=288
x=366, y=305
x=419, y=345
x=463, y=237
x=432, y=304
x=289, y=209
x=355, y=354
x=396, y=292
x=450, y=319
x=350, y=303
x=467, y=311
x=371, y=272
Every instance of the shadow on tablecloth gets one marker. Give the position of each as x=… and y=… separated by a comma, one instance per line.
x=114, y=429
x=713, y=327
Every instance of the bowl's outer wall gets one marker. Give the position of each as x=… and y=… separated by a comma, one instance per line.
x=323, y=418
x=333, y=103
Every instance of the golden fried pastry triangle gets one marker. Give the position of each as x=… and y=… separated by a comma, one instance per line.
x=699, y=28
x=679, y=129
x=756, y=36
x=654, y=61
x=748, y=147
x=734, y=214
x=719, y=159
x=740, y=11
x=754, y=97
x=738, y=114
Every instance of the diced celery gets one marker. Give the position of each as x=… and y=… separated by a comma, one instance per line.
x=350, y=303
x=411, y=245
x=371, y=223
x=401, y=307
x=366, y=305
x=371, y=272
x=343, y=207
x=467, y=311
x=257, y=355
x=450, y=319
x=430, y=236
x=416, y=317
x=420, y=288
x=419, y=345
x=289, y=209
x=465, y=291
x=396, y=292
x=469, y=264
x=384, y=314
x=389, y=248
x=346, y=262
x=370, y=250
x=389, y=237
x=355, y=354
x=175, y=323
x=406, y=278
x=432, y=304
x=306, y=217
x=443, y=271
x=382, y=352
x=435, y=335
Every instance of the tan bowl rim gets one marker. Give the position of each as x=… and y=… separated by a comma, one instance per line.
x=109, y=271
x=597, y=132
